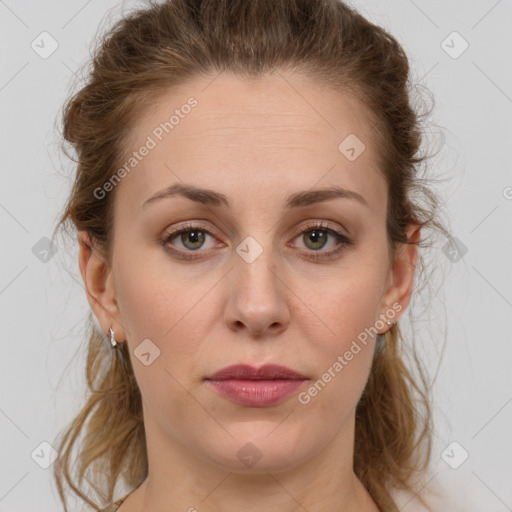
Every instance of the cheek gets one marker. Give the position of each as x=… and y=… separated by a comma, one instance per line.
x=175, y=313
x=174, y=316
x=342, y=310
x=343, y=342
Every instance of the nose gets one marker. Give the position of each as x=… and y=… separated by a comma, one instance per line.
x=256, y=297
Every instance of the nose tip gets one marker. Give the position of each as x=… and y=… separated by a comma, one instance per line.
x=259, y=331
x=256, y=300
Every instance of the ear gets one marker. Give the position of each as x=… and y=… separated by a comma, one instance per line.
x=402, y=272
x=99, y=285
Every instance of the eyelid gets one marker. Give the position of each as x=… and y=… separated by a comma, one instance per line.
x=323, y=225
x=188, y=226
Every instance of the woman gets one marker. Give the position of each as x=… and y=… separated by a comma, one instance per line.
x=248, y=242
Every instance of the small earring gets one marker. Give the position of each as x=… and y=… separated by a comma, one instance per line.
x=389, y=323
x=113, y=340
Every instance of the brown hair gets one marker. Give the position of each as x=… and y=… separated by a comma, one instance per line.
x=142, y=56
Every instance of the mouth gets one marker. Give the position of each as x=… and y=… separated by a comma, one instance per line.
x=256, y=387
x=265, y=372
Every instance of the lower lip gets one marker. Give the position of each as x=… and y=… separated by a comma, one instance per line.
x=256, y=393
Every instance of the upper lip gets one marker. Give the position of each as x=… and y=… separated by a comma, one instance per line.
x=248, y=372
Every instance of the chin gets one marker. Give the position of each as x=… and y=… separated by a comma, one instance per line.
x=260, y=447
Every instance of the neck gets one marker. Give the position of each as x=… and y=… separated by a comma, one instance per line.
x=179, y=481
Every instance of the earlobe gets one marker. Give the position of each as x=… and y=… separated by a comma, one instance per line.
x=98, y=283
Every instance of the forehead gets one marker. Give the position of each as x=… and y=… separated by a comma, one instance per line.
x=279, y=130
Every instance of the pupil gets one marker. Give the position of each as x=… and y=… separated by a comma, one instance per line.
x=315, y=236
x=195, y=238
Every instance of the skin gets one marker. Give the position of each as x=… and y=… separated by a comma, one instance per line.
x=256, y=141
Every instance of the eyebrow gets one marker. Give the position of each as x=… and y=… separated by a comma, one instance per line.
x=296, y=200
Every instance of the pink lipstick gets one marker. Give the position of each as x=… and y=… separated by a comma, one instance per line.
x=256, y=387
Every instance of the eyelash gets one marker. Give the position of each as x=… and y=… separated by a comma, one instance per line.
x=343, y=241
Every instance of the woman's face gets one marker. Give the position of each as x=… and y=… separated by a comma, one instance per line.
x=270, y=270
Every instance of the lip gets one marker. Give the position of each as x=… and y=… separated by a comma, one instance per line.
x=256, y=387
x=248, y=372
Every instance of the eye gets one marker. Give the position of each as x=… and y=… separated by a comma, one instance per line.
x=316, y=236
x=185, y=243
x=190, y=237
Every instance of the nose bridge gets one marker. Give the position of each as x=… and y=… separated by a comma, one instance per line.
x=255, y=267
x=256, y=296
x=255, y=273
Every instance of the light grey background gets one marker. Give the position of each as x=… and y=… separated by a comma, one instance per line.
x=43, y=305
